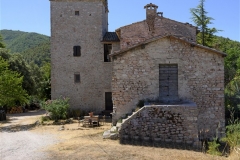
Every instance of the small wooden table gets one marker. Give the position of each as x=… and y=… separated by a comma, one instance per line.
x=91, y=121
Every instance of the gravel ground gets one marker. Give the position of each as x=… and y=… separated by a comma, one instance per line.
x=18, y=142
x=24, y=145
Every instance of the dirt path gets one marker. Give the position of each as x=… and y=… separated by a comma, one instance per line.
x=18, y=142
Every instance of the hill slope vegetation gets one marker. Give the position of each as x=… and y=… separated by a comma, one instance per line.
x=33, y=47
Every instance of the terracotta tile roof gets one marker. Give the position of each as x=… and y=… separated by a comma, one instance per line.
x=110, y=37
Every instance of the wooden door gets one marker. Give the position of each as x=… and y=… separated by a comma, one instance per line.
x=108, y=101
x=168, y=82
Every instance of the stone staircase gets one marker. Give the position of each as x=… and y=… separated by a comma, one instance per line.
x=166, y=123
x=114, y=131
x=118, y=125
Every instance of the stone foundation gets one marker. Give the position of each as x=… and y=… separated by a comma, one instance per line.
x=167, y=123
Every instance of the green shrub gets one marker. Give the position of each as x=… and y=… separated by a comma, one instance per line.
x=213, y=148
x=44, y=118
x=233, y=131
x=58, y=108
x=233, y=136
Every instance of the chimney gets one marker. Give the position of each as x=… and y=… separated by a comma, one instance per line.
x=151, y=10
x=151, y=13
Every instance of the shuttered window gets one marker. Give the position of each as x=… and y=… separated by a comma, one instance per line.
x=77, y=78
x=76, y=51
x=168, y=82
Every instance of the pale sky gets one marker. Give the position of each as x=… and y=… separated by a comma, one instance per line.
x=34, y=15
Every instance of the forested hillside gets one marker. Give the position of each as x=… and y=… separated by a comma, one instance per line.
x=18, y=41
x=33, y=47
x=38, y=55
x=28, y=56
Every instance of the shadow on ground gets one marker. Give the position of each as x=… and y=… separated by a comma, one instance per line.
x=29, y=113
x=18, y=128
x=16, y=122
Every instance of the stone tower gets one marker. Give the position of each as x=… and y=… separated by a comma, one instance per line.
x=80, y=70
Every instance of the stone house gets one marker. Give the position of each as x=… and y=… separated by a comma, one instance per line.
x=157, y=58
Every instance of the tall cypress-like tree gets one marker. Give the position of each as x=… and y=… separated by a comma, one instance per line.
x=201, y=20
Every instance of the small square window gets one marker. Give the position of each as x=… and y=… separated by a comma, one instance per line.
x=77, y=13
x=76, y=51
x=77, y=78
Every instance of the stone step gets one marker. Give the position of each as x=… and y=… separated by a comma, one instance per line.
x=118, y=126
x=108, y=135
x=123, y=120
x=113, y=129
x=130, y=115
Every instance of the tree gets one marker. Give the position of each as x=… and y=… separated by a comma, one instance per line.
x=18, y=64
x=46, y=83
x=2, y=45
x=11, y=91
x=41, y=77
x=201, y=20
x=36, y=80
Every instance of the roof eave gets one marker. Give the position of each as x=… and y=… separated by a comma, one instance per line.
x=168, y=36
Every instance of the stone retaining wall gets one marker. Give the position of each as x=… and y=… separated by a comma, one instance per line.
x=168, y=123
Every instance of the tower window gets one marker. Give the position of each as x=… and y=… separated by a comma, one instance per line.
x=77, y=13
x=76, y=51
x=77, y=77
x=107, y=51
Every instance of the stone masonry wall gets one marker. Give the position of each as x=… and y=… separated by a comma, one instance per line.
x=200, y=79
x=167, y=123
x=138, y=32
x=86, y=30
